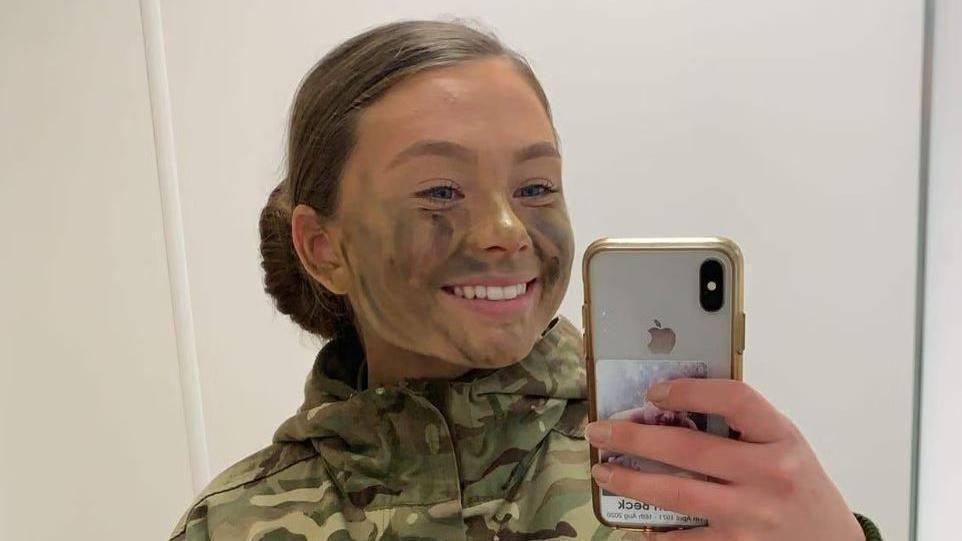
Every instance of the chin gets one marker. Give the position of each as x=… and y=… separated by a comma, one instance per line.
x=498, y=349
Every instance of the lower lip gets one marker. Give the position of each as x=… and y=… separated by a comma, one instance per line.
x=520, y=304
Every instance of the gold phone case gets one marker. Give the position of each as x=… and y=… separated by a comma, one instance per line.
x=633, y=285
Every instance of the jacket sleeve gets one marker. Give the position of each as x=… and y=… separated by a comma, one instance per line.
x=192, y=526
x=872, y=532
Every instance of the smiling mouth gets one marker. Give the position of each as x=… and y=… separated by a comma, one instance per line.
x=491, y=293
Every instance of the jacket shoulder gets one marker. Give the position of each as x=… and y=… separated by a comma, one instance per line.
x=242, y=480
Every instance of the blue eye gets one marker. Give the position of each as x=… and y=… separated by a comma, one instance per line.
x=534, y=190
x=443, y=193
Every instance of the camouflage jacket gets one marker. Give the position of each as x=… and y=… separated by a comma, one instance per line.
x=494, y=455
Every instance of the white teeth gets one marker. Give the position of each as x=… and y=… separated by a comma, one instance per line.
x=492, y=293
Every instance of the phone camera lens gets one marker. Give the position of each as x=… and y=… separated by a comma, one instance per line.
x=711, y=285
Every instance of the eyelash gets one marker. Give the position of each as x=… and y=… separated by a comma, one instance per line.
x=455, y=192
x=546, y=185
x=432, y=193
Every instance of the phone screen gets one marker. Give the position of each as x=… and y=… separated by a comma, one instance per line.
x=652, y=319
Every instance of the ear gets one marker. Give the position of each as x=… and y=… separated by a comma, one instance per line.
x=316, y=244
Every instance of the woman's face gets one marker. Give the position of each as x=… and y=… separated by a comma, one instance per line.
x=454, y=190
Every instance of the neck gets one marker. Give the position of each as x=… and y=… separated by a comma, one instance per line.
x=388, y=364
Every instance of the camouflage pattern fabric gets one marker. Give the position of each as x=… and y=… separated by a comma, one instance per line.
x=494, y=455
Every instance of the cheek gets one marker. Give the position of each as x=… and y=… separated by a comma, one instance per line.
x=360, y=246
x=396, y=261
x=553, y=242
x=398, y=274
x=421, y=245
x=442, y=231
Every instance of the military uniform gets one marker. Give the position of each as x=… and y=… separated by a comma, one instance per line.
x=494, y=455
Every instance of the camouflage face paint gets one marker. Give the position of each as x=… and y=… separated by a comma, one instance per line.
x=554, y=244
x=402, y=258
x=463, y=209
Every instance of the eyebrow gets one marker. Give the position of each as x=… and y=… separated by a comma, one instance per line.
x=448, y=149
x=543, y=149
x=430, y=147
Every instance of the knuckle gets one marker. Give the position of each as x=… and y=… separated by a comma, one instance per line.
x=670, y=493
x=794, y=434
x=766, y=516
x=785, y=473
x=744, y=398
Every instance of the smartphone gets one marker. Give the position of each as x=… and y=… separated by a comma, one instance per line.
x=657, y=310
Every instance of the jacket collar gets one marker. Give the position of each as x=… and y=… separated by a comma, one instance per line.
x=483, y=425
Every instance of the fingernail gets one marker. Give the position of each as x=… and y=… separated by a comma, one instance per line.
x=601, y=473
x=598, y=432
x=658, y=392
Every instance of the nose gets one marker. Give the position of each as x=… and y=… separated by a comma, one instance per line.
x=498, y=228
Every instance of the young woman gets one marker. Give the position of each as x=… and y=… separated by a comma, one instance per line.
x=421, y=228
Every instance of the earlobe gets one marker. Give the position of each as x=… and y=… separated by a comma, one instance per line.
x=315, y=243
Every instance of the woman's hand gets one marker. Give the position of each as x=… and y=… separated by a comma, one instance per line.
x=770, y=485
x=650, y=414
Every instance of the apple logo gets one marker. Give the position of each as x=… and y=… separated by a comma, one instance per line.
x=662, y=339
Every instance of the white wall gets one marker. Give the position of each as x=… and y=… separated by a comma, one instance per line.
x=92, y=441
x=791, y=126
x=940, y=473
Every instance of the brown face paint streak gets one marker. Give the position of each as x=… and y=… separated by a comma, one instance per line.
x=550, y=266
x=553, y=223
x=445, y=226
x=449, y=250
x=463, y=264
x=415, y=254
x=458, y=346
x=446, y=259
x=365, y=299
x=551, y=235
x=443, y=231
x=368, y=304
x=369, y=296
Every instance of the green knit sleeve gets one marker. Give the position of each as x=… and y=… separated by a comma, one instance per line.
x=871, y=530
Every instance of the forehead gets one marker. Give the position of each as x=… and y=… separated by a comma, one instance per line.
x=479, y=103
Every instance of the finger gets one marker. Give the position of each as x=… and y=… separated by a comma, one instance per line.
x=679, y=494
x=688, y=449
x=603, y=455
x=694, y=534
x=742, y=407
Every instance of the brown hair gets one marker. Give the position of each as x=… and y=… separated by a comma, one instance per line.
x=322, y=134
